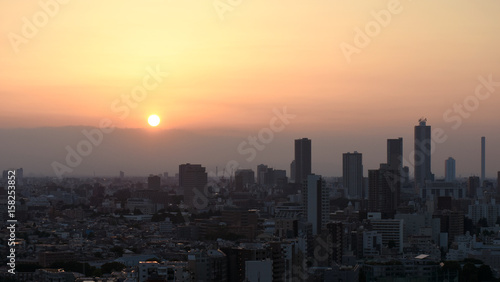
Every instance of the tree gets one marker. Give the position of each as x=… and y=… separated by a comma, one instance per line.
x=391, y=244
x=117, y=250
x=483, y=222
x=469, y=272
x=484, y=273
x=112, y=266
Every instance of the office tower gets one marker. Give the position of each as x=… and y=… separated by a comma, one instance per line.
x=154, y=182
x=391, y=230
x=483, y=159
x=292, y=171
x=261, y=171
x=316, y=202
x=472, y=184
x=395, y=156
x=422, y=157
x=384, y=188
x=122, y=174
x=302, y=159
x=244, y=178
x=498, y=183
x=395, y=153
x=352, y=174
x=335, y=242
x=193, y=179
x=449, y=169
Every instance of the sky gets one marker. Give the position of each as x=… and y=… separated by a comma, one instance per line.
x=353, y=73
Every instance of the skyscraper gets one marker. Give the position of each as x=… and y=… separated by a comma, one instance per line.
x=154, y=182
x=384, y=188
x=261, y=171
x=302, y=159
x=473, y=183
x=498, y=183
x=483, y=159
x=193, y=179
x=449, y=169
x=316, y=202
x=395, y=153
x=243, y=178
x=352, y=174
x=422, y=157
x=395, y=157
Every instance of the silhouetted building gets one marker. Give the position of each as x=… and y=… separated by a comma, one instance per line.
x=452, y=222
x=316, y=202
x=473, y=183
x=395, y=153
x=422, y=161
x=244, y=178
x=261, y=170
x=335, y=242
x=384, y=187
x=193, y=179
x=154, y=182
x=498, y=182
x=352, y=174
x=292, y=171
x=483, y=159
x=302, y=159
x=449, y=169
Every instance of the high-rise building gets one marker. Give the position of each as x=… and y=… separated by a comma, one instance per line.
x=335, y=241
x=498, y=183
x=154, y=182
x=302, y=159
x=384, y=188
x=483, y=159
x=395, y=157
x=316, y=202
x=395, y=153
x=243, y=178
x=261, y=171
x=473, y=183
x=352, y=176
x=449, y=169
x=391, y=231
x=193, y=179
x=422, y=154
x=292, y=171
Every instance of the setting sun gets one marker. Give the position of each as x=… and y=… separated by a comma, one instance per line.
x=154, y=120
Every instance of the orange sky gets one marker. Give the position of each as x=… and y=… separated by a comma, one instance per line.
x=231, y=72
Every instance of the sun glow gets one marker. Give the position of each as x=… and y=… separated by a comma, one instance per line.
x=154, y=120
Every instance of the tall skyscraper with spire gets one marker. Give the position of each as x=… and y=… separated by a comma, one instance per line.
x=302, y=159
x=422, y=156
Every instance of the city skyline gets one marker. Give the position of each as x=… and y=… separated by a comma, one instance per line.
x=191, y=66
x=276, y=154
